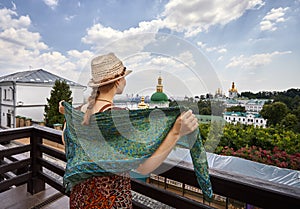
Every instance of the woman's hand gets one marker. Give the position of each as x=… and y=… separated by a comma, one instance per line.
x=61, y=108
x=185, y=123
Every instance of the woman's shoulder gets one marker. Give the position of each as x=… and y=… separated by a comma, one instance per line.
x=118, y=108
x=104, y=108
x=82, y=107
x=111, y=107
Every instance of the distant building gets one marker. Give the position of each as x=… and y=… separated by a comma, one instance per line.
x=245, y=118
x=24, y=93
x=209, y=118
x=255, y=105
x=142, y=104
x=219, y=94
x=232, y=103
x=233, y=92
x=159, y=98
x=251, y=106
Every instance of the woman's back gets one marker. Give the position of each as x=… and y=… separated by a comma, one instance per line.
x=107, y=191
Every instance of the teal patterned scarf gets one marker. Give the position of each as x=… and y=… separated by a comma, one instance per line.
x=118, y=141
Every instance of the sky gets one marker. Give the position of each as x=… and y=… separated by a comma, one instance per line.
x=196, y=46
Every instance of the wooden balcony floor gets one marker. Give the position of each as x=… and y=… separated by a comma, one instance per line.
x=19, y=198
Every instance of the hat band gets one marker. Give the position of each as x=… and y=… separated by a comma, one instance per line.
x=113, y=77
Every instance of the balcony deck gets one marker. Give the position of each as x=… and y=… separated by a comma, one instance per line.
x=26, y=183
x=19, y=198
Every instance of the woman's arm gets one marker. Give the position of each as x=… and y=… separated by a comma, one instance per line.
x=61, y=109
x=62, y=135
x=185, y=124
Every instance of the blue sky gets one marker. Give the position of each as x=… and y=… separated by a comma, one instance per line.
x=197, y=46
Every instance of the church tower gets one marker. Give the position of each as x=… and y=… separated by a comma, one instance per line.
x=159, y=98
x=233, y=92
x=159, y=87
x=142, y=104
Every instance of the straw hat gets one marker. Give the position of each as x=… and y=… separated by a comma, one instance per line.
x=106, y=69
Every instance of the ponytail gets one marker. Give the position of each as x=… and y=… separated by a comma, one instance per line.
x=91, y=102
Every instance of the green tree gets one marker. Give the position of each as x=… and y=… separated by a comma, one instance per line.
x=296, y=112
x=236, y=109
x=212, y=135
x=186, y=103
x=290, y=122
x=60, y=91
x=217, y=108
x=274, y=112
x=204, y=107
x=295, y=103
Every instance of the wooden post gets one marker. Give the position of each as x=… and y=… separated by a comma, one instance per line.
x=18, y=121
x=35, y=184
x=57, y=126
x=28, y=122
x=22, y=121
x=42, y=123
x=1, y=160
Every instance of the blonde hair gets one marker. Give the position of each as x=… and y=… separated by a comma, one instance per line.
x=92, y=100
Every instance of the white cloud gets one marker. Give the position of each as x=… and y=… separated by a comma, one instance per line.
x=78, y=54
x=187, y=58
x=81, y=59
x=23, y=38
x=52, y=59
x=222, y=50
x=100, y=34
x=9, y=19
x=146, y=60
x=201, y=44
x=254, y=61
x=163, y=61
x=269, y=22
x=51, y=3
x=178, y=73
x=218, y=49
x=190, y=17
x=267, y=25
x=18, y=44
x=21, y=48
x=131, y=40
x=195, y=16
x=69, y=18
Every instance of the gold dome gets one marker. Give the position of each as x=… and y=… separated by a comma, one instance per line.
x=233, y=89
x=142, y=104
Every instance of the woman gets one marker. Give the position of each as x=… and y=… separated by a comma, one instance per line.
x=113, y=190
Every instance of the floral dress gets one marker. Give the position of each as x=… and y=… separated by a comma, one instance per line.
x=103, y=192
x=113, y=191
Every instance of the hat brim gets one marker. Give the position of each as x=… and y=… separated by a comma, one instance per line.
x=93, y=84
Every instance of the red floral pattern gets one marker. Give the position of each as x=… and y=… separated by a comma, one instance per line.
x=102, y=192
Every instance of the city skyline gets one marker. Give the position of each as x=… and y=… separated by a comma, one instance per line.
x=196, y=46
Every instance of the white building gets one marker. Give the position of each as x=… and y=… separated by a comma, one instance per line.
x=25, y=93
x=245, y=118
x=255, y=105
x=232, y=103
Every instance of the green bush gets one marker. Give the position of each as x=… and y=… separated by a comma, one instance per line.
x=274, y=145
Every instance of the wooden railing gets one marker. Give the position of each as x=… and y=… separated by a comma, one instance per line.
x=29, y=170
